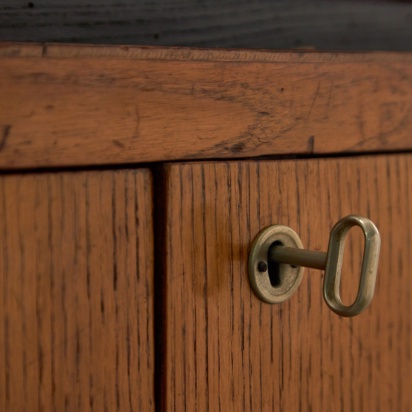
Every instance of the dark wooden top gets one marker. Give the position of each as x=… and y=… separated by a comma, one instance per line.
x=272, y=24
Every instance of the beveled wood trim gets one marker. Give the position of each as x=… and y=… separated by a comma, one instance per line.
x=94, y=105
x=12, y=49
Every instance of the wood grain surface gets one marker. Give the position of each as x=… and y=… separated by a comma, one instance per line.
x=275, y=24
x=74, y=106
x=76, y=275
x=225, y=349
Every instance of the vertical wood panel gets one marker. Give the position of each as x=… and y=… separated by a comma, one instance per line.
x=225, y=349
x=76, y=267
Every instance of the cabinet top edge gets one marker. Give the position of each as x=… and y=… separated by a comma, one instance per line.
x=58, y=50
x=75, y=106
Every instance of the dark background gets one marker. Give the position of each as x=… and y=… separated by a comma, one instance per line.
x=271, y=24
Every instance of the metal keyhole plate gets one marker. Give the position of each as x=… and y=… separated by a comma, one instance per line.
x=290, y=276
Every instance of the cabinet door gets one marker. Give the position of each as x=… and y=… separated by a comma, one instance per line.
x=227, y=350
x=76, y=266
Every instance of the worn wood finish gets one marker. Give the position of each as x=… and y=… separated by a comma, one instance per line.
x=276, y=24
x=225, y=349
x=76, y=317
x=88, y=106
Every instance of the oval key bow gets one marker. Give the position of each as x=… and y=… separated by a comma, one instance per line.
x=275, y=268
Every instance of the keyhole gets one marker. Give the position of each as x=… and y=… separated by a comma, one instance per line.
x=274, y=268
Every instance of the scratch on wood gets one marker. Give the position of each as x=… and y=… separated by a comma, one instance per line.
x=360, y=120
x=118, y=143
x=329, y=99
x=5, y=135
x=314, y=100
x=311, y=144
x=237, y=148
x=136, y=129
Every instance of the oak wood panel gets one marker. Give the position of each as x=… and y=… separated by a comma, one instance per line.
x=91, y=106
x=76, y=316
x=225, y=349
x=275, y=24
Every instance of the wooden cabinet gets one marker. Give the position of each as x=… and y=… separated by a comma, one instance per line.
x=226, y=349
x=76, y=253
x=125, y=287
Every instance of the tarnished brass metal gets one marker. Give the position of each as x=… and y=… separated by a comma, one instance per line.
x=290, y=257
x=298, y=257
x=289, y=277
x=331, y=283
